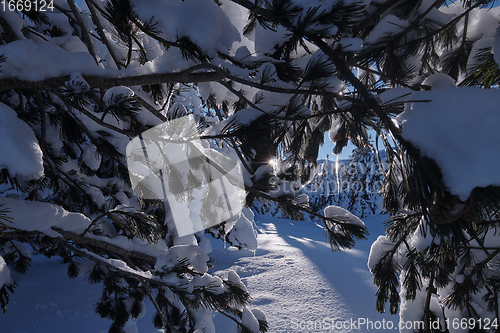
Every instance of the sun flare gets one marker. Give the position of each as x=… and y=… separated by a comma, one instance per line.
x=273, y=163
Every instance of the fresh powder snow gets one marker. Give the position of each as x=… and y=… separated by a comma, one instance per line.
x=463, y=143
x=19, y=149
x=294, y=278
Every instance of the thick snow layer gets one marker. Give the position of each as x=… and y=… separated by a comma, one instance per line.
x=266, y=40
x=197, y=258
x=496, y=47
x=259, y=314
x=41, y=216
x=395, y=95
x=208, y=26
x=439, y=81
x=388, y=26
x=77, y=83
x=421, y=238
x=243, y=117
x=32, y=61
x=249, y=321
x=4, y=273
x=482, y=21
x=334, y=129
x=117, y=91
x=215, y=283
x=342, y=214
x=459, y=130
x=411, y=310
x=91, y=158
x=170, y=61
x=378, y=249
x=243, y=233
x=234, y=277
x=19, y=149
x=69, y=43
x=302, y=199
x=27, y=60
x=485, y=43
x=293, y=277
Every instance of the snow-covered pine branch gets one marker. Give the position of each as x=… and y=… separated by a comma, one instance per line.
x=263, y=81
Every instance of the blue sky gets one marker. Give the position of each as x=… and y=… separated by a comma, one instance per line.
x=327, y=148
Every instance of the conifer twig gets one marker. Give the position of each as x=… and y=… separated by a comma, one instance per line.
x=157, y=307
x=105, y=246
x=83, y=28
x=109, y=46
x=43, y=121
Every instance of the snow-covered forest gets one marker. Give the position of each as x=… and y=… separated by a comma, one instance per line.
x=141, y=142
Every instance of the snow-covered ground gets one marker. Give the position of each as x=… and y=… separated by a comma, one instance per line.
x=293, y=277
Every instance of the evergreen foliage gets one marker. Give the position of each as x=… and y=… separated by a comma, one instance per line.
x=364, y=177
x=353, y=184
x=130, y=70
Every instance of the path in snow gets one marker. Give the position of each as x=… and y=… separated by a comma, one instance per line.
x=293, y=277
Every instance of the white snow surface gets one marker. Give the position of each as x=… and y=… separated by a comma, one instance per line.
x=42, y=216
x=91, y=158
x=249, y=321
x=388, y=26
x=243, y=117
x=378, y=249
x=296, y=279
x=496, y=47
x=4, y=273
x=208, y=26
x=27, y=60
x=234, y=277
x=32, y=61
x=459, y=130
x=117, y=91
x=243, y=233
x=19, y=149
x=197, y=258
x=77, y=83
x=485, y=43
x=334, y=129
x=293, y=277
x=342, y=214
x=439, y=81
